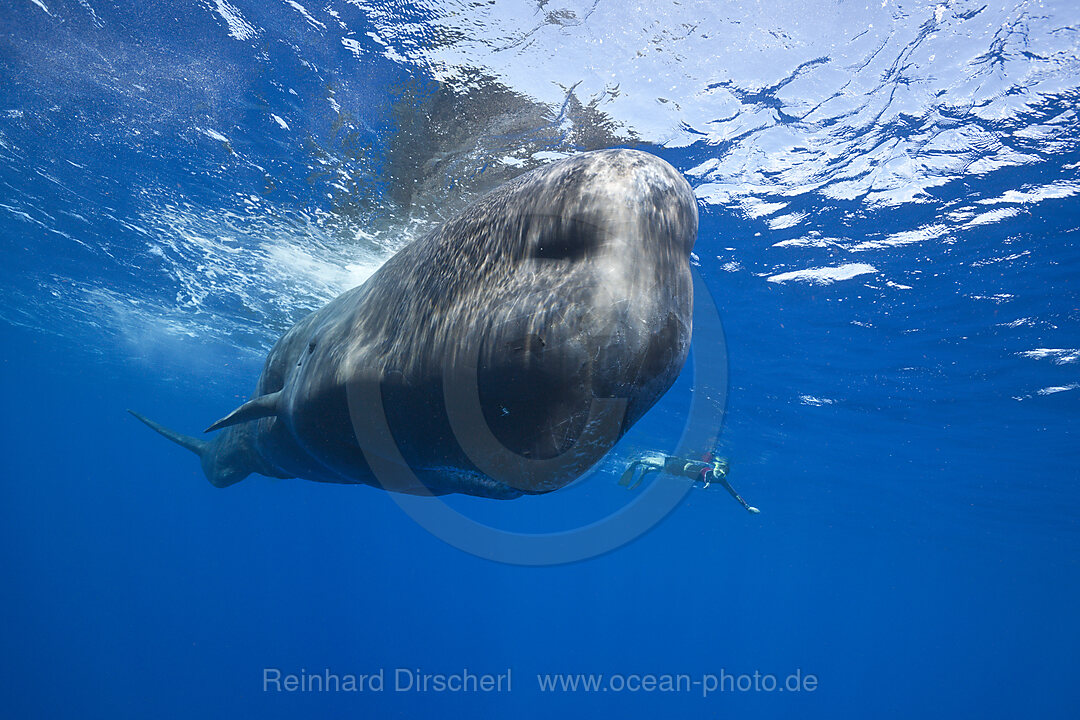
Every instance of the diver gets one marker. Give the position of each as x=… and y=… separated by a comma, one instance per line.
x=705, y=472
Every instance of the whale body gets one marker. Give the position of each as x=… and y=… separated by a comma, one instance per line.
x=556, y=304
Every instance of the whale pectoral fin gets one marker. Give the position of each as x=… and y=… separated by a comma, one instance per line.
x=195, y=445
x=260, y=407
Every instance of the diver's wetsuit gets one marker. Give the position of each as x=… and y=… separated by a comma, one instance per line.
x=695, y=470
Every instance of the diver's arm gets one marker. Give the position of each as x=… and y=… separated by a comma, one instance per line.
x=722, y=479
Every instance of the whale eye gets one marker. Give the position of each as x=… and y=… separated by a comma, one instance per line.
x=563, y=238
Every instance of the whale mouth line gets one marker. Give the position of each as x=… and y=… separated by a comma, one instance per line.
x=456, y=478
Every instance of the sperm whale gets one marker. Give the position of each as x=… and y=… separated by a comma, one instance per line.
x=557, y=304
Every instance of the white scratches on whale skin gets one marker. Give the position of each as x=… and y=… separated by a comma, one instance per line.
x=824, y=275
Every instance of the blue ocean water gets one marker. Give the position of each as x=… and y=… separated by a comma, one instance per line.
x=888, y=199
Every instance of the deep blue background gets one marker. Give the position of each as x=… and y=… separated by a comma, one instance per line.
x=916, y=551
x=918, y=557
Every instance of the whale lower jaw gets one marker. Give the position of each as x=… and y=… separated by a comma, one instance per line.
x=446, y=479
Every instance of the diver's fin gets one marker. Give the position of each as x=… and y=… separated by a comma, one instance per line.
x=628, y=475
x=193, y=444
x=641, y=477
x=260, y=407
